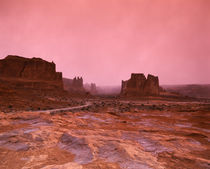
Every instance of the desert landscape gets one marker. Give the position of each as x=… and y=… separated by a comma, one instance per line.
x=142, y=127
x=104, y=84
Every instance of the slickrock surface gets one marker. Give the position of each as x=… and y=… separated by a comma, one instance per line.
x=110, y=134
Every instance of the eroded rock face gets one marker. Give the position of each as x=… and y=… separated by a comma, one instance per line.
x=77, y=82
x=139, y=85
x=19, y=72
x=91, y=88
x=151, y=85
x=74, y=85
x=31, y=69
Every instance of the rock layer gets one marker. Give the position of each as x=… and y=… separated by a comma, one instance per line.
x=25, y=68
x=29, y=73
x=139, y=85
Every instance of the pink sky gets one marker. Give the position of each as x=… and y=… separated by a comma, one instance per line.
x=106, y=40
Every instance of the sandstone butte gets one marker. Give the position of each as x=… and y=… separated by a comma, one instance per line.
x=30, y=73
x=74, y=85
x=139, y=85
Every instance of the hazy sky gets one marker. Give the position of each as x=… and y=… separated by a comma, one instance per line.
x=106, y=40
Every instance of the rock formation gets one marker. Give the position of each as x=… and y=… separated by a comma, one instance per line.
x=30, y=84
x=91, y=88
x=152, y=85
x=31, y=69
x=77, y=82
x=33, y=73
x=139, y=85
x=74, y=85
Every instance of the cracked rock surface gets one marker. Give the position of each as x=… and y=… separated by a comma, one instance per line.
x=110, y=134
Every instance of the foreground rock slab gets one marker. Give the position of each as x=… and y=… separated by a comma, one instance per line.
x=110, y=134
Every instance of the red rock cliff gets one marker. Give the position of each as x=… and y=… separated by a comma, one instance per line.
x=35, y=70
x=74, y=85
x=139, y=85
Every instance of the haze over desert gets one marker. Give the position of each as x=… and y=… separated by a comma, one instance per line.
x=104, y=84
